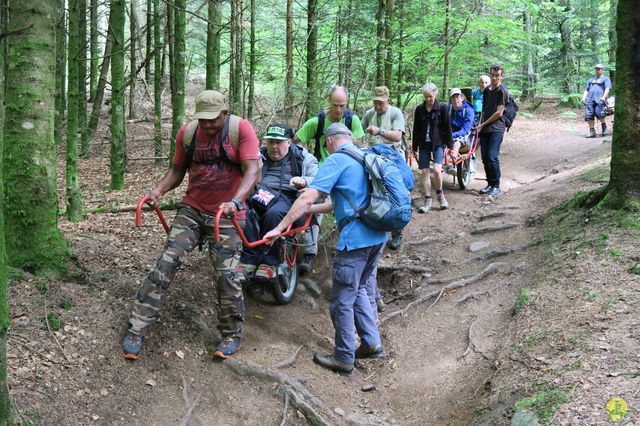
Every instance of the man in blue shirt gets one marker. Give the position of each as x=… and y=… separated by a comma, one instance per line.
x=358, y=251
x=595, y=99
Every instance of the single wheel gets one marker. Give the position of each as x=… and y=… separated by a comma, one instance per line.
x=464, y=173
x=285, y=284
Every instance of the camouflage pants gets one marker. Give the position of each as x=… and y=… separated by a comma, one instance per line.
x=189, y=228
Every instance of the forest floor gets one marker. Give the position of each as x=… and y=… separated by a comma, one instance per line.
x=457, y=356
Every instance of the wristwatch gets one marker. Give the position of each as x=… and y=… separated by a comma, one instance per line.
x=238, y=204
x=381, y=132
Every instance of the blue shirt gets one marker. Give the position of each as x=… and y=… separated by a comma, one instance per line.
x=477, y=96
x=461, y=120
x=341, y=172
x=595, y=87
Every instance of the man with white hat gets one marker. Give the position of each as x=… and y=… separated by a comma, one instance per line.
x=595, y=100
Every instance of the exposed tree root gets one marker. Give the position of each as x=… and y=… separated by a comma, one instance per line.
x=285, y=409
x=437, y=294
x=487, y=229
x=508, y=250
x=297, y=393
x=187, y=416
x=471, y=346
x=289, y=361
x=408, y=268
x=422, y=241
x=474, y=295
x=492, y=216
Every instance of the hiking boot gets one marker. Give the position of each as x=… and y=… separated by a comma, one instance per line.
x=369, y=351
x=442, y=201
x=380, y=305
x=306, y=266
x=266, y=272
x=604, y=129
x=245, y=271
x=131, y=346
x=485, y=190
x=328, y=361
x=495, y=192
x=396, y=241
x=228, y=347
x=592, y=134
x=426, y=207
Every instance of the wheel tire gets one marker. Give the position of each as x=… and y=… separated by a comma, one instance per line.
x=464, y=175
x=285, y=284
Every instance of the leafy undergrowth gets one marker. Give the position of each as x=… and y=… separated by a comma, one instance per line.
x=575, y=341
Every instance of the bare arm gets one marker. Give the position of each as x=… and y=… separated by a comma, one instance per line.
x=325, y=207
x=494, y=117
x=390, y=135
x=171, y=180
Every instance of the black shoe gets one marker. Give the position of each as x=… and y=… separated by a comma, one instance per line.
x=306, y=266
x=486, y=190
x=328, y=361
x=228, y=347
x=396, y=241
x=131, y=346
x=495, y=192
x=369, y=351
x=604, y=129
x=592, y=134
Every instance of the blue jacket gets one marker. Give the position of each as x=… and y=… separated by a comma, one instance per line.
x=461, y=120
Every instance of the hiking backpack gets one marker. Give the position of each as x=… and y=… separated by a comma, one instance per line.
x=388, y=207
x=322, y=115
x=510, y=112
x=231, y=127
x=394, y=155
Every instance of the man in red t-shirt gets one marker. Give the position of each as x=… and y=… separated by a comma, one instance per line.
x=222, y=173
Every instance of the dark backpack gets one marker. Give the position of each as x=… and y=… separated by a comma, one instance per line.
x=322, y=115
x=388, y=207
x=510, y=112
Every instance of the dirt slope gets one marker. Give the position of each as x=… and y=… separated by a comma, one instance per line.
x=76, y=375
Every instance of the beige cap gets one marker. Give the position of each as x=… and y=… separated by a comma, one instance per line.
x=381, y=93
x=455, y=91
x=209, y=105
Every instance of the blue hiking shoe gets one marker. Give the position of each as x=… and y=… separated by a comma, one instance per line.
x=131, y=346
x=228, y=347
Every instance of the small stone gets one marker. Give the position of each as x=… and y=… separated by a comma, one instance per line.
x=368, y=387
x=478, y=245
x=151, y=383
x=339, y=411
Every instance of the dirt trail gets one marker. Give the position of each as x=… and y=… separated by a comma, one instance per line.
x=423, y=380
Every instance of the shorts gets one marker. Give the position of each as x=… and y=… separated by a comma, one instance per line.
x=594, y=109
x=424, y=156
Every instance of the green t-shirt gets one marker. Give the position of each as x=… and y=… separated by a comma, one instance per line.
x=308, y=131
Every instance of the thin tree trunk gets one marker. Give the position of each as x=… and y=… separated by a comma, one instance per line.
x=102, y=83
x=400, y=73
x=388, y=40
x=594, y=31
x=613, y=41
x=288, y=84
x=133, y=31
x=339, y=51
x=528, y=91
x=5, y=399
x=118, y=138
x=348, y=62
x=447, y=43
x=82, y=76
x=252, y=58
x=171, y=59
x=157, y=83
x=567, y=50
x=213, y=45
x=73, y=195
x=380, y=43
x=33, y=240
x=61, y=73
x=312, y=48
x=177, y=96
x=93, y=50
x=149, y=41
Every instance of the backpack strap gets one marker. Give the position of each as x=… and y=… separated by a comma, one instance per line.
x=319, y=132
x=348, y=118
x=189, y=140
x=359, y=210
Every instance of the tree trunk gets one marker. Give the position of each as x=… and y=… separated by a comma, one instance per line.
x=93, y=50
x=252, y=58
x=288, y=84
x=567, y=50
x=133, y=31
x=447, y=44
x=117, y=156
x=149, y=41
x=312, y=48
x=157, y=83
x=380, y=43
x=400, y=73
x=388, y=40
x=33, y=240
x=73, y=195
x=348, y=62
x=213, y=45
x=528, y=91
x=177, y=95
x=624, y=182
x=5, y=400
x=102, y=83
x=613, y=41
x=61, y=73
x=82, y=76
x=594, y=31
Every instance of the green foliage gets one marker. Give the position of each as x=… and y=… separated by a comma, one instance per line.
x=55, y=323
x=42, y=287
x=534, y=338
x=65, y=304
x=15, y=274
x=635, y=269
x=522, y=300
x=543, y=403
x=590, y=296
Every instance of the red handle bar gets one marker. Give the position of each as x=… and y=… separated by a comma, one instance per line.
x=246, y=243
x=146, y=199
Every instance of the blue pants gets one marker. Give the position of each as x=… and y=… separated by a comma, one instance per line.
x=490, y=151
x=372, y=283
x=594, y=109
x=350, y=306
